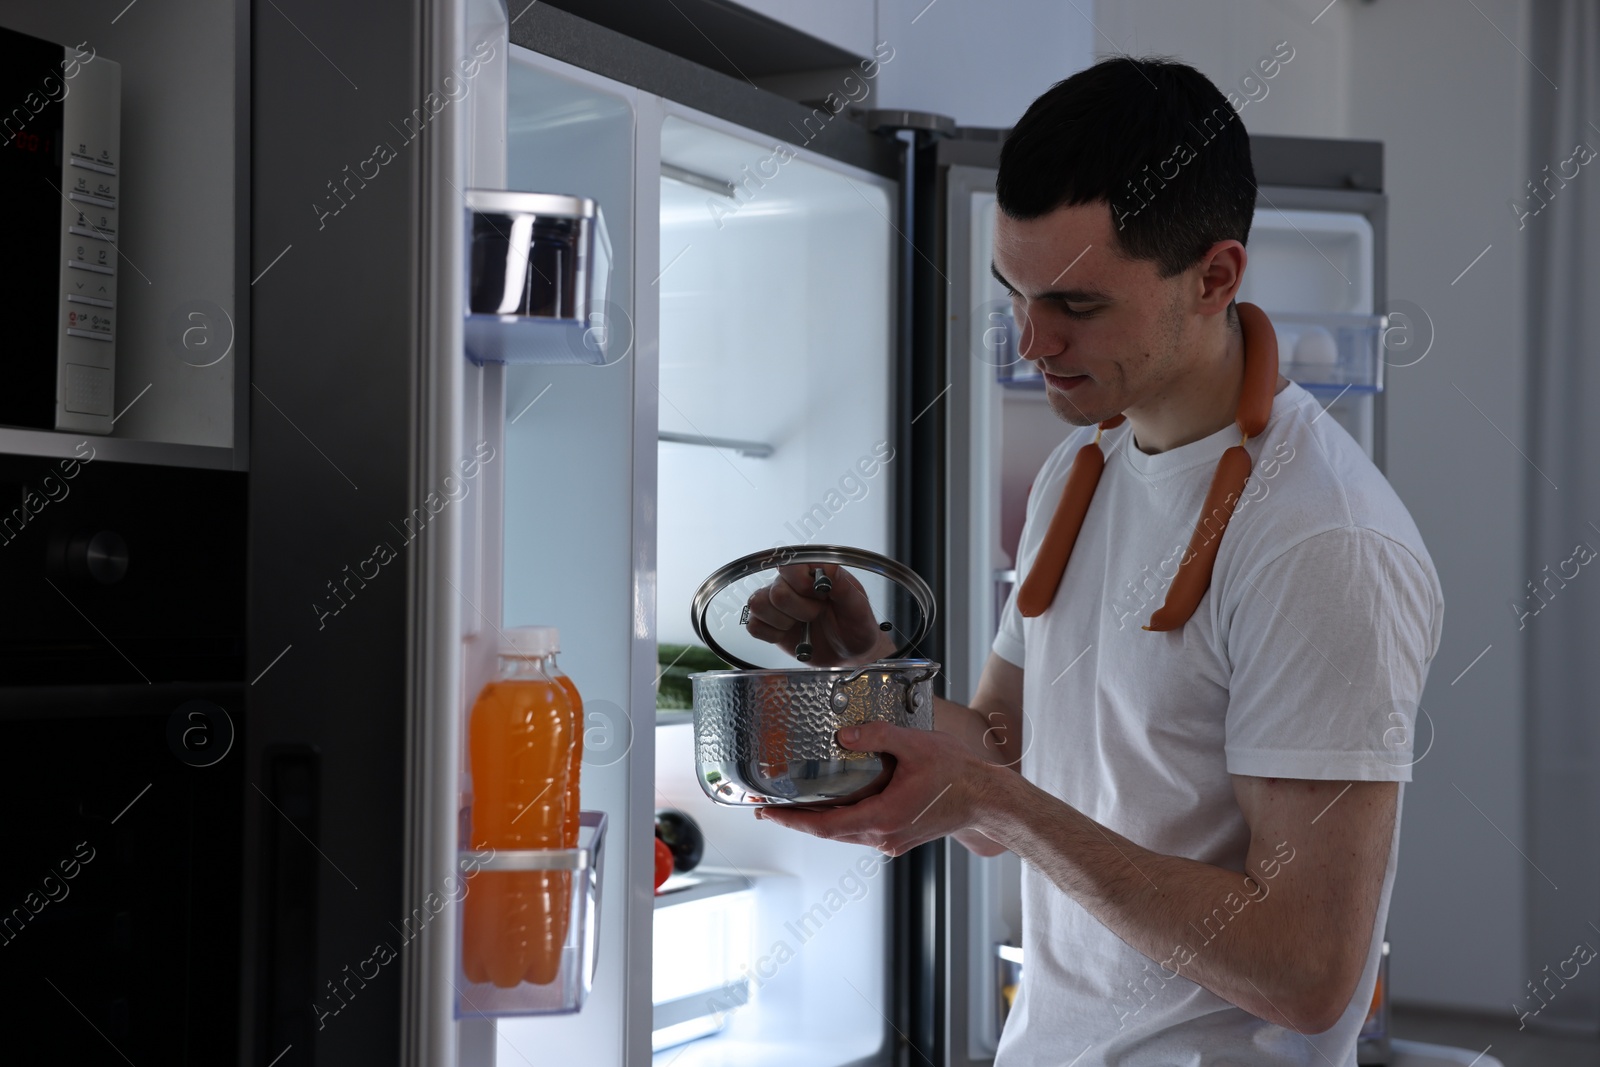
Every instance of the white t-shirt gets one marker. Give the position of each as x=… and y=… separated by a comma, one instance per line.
x=1305, y=659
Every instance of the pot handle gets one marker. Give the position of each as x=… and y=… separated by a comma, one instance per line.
x=914, y=675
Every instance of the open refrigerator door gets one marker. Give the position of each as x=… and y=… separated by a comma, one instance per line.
x=560, y=532
x=731, y=389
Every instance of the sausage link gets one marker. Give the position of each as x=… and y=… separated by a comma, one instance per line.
x=1260, y=369
x=1194, y=573
x=1044, y=576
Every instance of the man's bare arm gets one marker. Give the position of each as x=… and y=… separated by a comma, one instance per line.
x=1286, y=941
x=991, y=727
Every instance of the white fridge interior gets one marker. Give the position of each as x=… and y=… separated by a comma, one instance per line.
x=777, y=296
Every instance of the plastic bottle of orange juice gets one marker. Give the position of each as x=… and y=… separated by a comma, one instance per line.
x=520, y=740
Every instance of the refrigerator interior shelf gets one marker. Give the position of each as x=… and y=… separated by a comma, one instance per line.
x=573, y=874
x=1327, y=351
x=701, y=884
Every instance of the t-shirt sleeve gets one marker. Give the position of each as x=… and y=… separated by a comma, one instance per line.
x=1008, y=643
x=1329, y=647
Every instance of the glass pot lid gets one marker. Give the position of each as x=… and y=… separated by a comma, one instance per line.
x=813, y=606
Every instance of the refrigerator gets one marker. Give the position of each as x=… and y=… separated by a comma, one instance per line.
x=800, y=343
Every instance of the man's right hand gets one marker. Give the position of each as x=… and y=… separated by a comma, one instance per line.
x=844, y=628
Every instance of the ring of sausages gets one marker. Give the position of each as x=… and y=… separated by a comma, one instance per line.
x=1228, y=483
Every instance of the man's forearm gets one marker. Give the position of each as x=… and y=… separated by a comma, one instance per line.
x=964, y=723
x=975, y=731
x=984, y=734
x=1216, y=927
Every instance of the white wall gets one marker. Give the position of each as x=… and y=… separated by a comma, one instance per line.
x=845, y=23
x=1226, y=39
x=1448, y=112
x=980, y=63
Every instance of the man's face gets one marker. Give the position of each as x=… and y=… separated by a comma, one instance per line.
x=1107, y=331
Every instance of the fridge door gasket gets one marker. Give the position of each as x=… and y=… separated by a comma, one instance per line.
x=973, y=479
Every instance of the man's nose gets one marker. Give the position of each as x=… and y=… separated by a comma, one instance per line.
x=1034, y=339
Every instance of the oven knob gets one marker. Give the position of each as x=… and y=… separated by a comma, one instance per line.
x=102, y=556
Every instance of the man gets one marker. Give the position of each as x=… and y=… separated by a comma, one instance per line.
x=1208, y=816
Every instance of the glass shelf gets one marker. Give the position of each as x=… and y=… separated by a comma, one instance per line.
x=700, y=884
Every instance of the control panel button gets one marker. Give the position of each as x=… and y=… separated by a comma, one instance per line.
x=84, y=231
x=96, y=253
x=93, y=290
x=89, y=322
x=96, y=267
x=91, y=198
x=87, y=390
x=74, y=298
x=93, y=164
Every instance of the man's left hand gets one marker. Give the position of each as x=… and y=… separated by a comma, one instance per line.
x=937, y=788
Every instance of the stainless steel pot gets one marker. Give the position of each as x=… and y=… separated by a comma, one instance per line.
x=766, y=736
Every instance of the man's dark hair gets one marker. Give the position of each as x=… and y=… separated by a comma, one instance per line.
x=1152, y=137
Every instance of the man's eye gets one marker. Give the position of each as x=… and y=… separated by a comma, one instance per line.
x=1081, y=312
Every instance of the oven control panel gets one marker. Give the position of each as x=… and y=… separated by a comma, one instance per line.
x=91, y=205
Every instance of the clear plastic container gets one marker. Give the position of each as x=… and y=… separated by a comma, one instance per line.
x=1331, y=351
x=1325, y=352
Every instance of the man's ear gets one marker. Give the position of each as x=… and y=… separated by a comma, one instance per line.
x=1221, y=274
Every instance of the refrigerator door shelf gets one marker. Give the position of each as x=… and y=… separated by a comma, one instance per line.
x=581, y=868
x=537, y=279
x=1320, y=351
x=514, y=339
x=1331, y=351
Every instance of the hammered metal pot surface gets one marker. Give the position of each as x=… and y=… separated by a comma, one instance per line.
x=767, y=737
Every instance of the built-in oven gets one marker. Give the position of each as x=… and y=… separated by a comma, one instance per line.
x=60, y=154
x=122, y=781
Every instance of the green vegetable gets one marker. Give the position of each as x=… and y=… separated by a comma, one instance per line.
x=675, y=692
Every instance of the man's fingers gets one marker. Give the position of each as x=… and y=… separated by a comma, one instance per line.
x=802, y=578
x=763, y=632
x=848, y=590
x=803, y=607
x=763, y=609
x=833, y=823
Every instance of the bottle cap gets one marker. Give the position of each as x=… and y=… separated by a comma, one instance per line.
x=529, y=641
